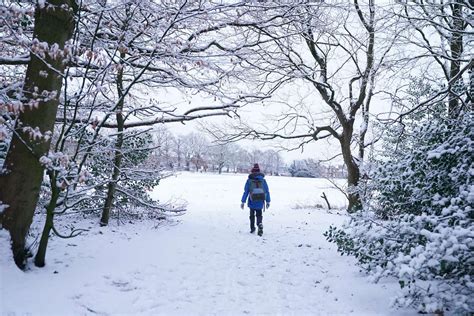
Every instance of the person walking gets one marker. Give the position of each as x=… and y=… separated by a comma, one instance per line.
x=257, y=195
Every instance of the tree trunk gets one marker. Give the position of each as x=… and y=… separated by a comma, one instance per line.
x=470, y=101
x=104, y=221
x=48, y=225
x=353, y=172
x=456, y=47
x=353, y=176
x=178, y=153
x=20, y=184
x=188, y=165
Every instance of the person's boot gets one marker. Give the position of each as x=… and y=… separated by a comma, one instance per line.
x=252, y=224
x=260, y=229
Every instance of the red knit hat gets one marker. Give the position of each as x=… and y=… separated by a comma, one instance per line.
x=256, y=168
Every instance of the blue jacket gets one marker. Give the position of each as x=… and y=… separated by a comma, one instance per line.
x=256, y=205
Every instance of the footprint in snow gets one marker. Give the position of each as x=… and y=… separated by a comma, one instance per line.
x=327, y=289
x=123, y=286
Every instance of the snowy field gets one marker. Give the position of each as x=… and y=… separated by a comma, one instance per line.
x=203, y=263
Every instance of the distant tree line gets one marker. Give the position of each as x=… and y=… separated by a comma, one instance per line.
x=196, y=152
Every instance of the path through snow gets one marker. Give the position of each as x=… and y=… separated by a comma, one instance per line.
x=207, y=264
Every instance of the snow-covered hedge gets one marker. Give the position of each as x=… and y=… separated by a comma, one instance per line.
x=418, y=224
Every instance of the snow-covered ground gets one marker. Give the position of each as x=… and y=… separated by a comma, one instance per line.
x=206, y=264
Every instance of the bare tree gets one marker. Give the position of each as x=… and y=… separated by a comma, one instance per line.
x=272, y=162
x=221, y=155
x=331, y=50
x=20, y=181
x=439, y=32
x=179, y=151
x=166, y=155
x=197, y=146
x=179, y=52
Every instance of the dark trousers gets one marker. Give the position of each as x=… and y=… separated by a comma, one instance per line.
x=258, y=213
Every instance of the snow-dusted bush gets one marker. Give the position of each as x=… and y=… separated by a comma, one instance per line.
x=136, y=180
x=418, y=225
x=307, y=168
